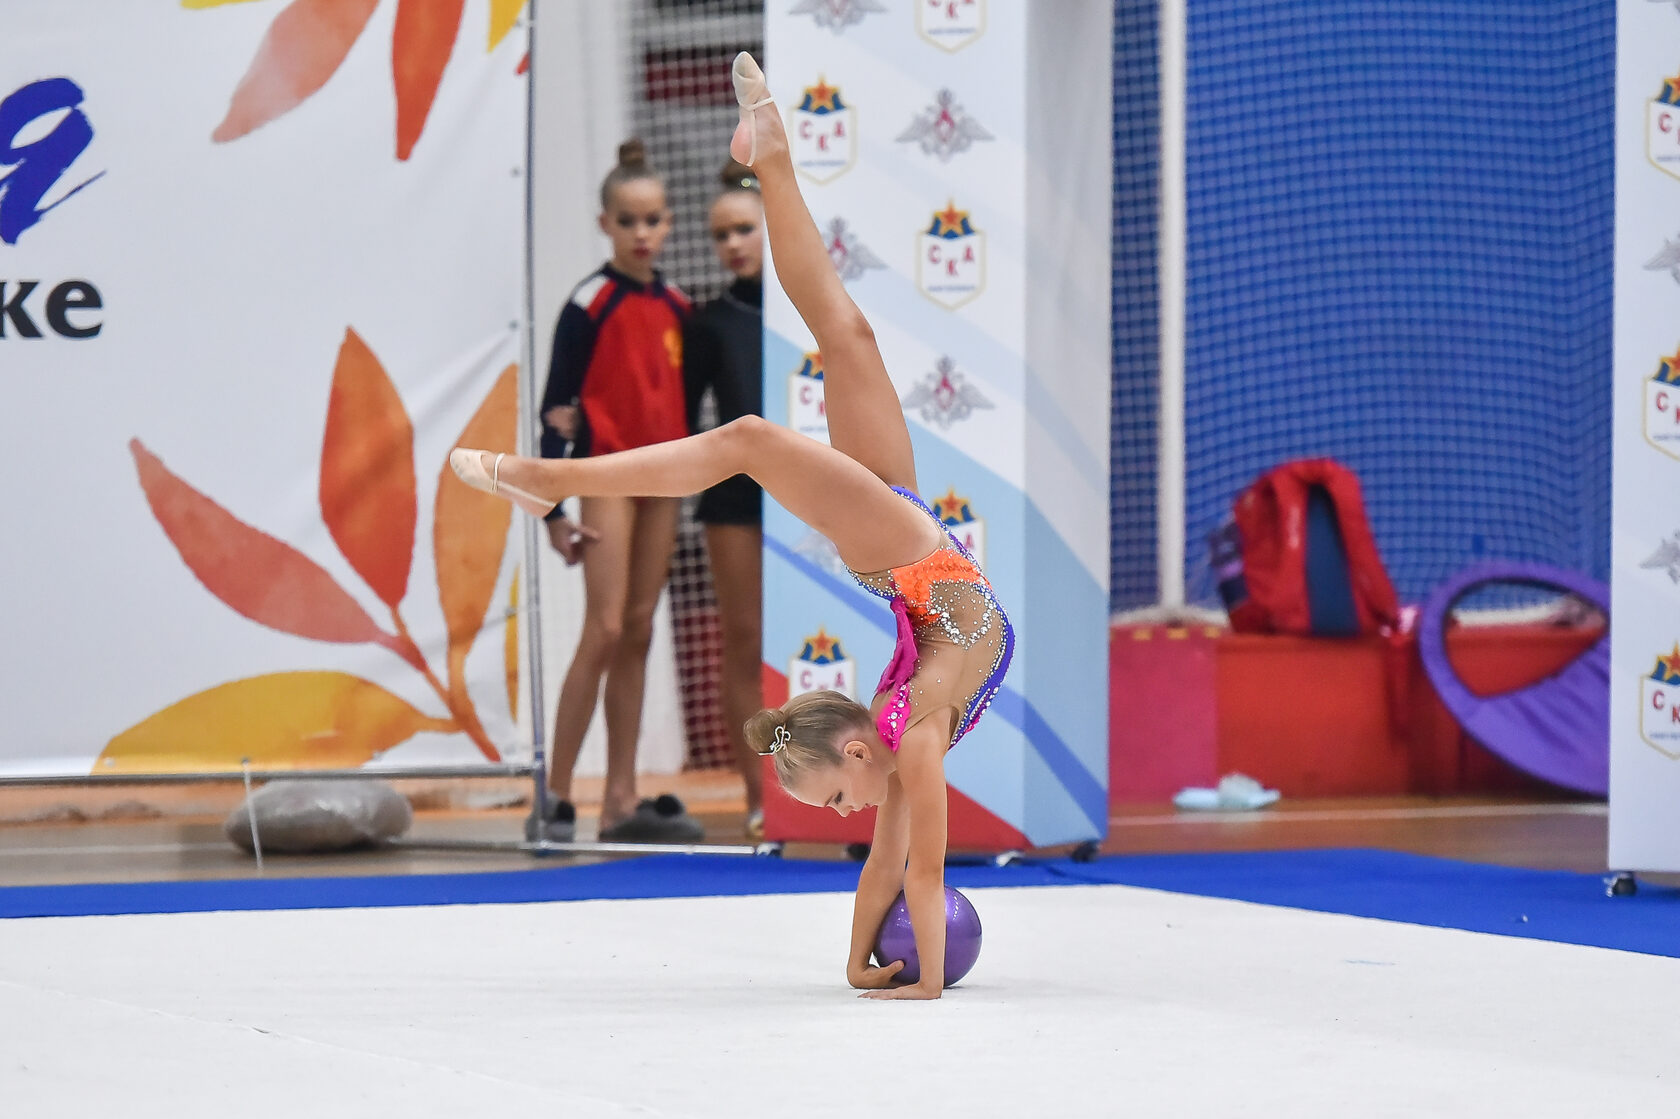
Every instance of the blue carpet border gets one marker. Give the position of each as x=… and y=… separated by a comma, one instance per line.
x=1563, y=906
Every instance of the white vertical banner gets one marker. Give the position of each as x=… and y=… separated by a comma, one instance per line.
x=1645, y=522
x=259, y=271
x=955, y=156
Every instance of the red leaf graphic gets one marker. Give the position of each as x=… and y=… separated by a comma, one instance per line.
x=304, y=47
x=262, y=578
x=469, y=535
x=367, y=472
x=420, y=49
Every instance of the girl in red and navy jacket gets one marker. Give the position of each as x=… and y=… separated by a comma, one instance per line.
x=615, y=382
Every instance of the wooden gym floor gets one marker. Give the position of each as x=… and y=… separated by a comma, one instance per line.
x=162, y=833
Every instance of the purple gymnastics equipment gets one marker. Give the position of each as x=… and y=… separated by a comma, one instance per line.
x=1558, y=728
x=897, y=940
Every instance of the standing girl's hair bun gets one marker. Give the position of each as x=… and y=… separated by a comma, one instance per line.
x=632, y=167
x=738, y=176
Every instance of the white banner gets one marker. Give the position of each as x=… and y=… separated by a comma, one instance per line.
x=958, y=195
x=259, y=270
x=1645, y=543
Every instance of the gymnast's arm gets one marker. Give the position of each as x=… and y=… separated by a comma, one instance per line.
x=878, y=886
x=921, y=769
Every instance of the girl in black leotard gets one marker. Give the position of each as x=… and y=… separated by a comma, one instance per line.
x=723, y=347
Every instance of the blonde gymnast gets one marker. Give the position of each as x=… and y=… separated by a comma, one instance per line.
x=954, y=641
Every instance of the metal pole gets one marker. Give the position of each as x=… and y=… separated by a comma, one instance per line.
x=513, y=769
x=251, y=815
x=1170, y=489
x=530, y=405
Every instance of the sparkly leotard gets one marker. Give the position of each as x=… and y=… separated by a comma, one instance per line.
x=954, y=640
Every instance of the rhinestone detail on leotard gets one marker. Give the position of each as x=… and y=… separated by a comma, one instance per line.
x=931, y=598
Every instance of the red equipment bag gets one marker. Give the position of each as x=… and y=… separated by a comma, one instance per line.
x=1298, y=556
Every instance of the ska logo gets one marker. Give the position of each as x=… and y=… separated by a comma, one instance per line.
x=807, y=406
x=821, y=665
x=823, y=136
x=1659, y=705
x=36, y=150
x=957, y=514
x=951, y=24
x=951, y=258
x=1662, y=406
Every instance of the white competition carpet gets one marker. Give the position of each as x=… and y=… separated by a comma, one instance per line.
x=1087, y=1001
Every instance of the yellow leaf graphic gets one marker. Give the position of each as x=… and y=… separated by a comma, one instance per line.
x=286, y=720
x=503, y=15
x=201, y=5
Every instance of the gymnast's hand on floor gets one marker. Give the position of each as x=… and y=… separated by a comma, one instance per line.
x=867, y=978
x=912, y=991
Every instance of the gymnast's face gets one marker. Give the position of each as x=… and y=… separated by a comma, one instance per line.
x=738, y=233
x=858, y=782
x=638, y=221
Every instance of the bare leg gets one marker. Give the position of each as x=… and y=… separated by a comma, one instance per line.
x=606, y=577
x=865, y=419
x=736, y=554
x=872, y=528
x=652, y=541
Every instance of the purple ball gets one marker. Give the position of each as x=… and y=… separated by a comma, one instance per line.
x=897, y=940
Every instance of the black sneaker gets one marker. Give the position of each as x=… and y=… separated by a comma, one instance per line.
x=660, y=820
x=557, y=825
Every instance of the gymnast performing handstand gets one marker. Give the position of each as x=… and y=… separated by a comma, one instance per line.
x=954, y=640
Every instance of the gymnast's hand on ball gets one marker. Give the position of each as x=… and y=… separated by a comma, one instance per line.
x=570, y=538
x=914, y=991
x=562, y=418
x=869, y=978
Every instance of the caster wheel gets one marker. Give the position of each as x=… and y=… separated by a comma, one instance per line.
x=1084, y=853
x=768, y=850
x=857, y=852
x=1008, y=858
x=1623, y=885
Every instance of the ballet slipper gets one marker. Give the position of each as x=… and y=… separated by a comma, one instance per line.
x=469, y=467
x=753, y=94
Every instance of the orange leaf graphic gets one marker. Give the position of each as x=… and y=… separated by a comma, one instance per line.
x=367, y=472
x=201, y=5
x=305, y=46
x=287, y=720
x=265, y=579
x=503, y=15
x=469, y=535
x=420, y=49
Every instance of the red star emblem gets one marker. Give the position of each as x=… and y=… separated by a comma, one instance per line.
x=822, y=646
x=949, y=220
x=821, y=95
x=950, y=505
x=1671, y=663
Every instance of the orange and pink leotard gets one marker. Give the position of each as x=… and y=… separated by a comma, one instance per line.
x=954, y=640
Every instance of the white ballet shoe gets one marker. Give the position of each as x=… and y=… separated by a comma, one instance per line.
x=468, y=465
x=752, y=93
